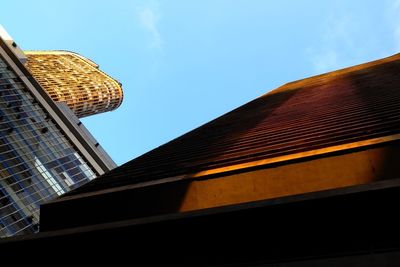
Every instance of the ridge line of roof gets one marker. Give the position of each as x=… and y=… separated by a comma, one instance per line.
x=331, y=75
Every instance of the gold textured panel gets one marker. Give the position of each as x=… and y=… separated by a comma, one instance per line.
x=77, y=81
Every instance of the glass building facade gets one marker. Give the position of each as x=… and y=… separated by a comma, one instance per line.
x=37, y=161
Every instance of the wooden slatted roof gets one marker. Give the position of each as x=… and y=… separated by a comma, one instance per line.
x=343, y=109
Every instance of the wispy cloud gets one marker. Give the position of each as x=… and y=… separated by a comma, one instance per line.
x=325, y=61
x=336, y=42
x=394, y=19
x=351, y=38
x=149, y=17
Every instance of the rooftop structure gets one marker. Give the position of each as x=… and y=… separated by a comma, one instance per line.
x=77, y=81
x=338, y=111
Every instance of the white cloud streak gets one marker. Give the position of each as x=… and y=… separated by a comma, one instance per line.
x=394, y=16
x=335, y=45
x=355, y=37
x=149, y=17
x=325, y=61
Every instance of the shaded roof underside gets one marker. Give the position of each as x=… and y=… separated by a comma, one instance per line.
x=349, y=105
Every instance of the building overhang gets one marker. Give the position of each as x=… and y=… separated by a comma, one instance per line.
x=353, y=224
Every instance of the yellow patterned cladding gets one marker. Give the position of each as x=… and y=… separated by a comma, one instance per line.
x=76, y=80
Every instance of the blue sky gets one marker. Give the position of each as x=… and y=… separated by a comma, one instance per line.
x=183, y=63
